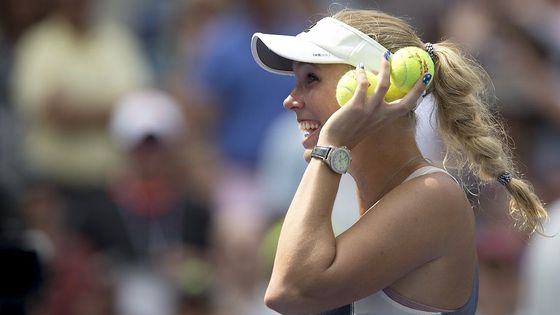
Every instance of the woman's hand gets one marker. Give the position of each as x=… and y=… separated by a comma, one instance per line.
x=363, y=115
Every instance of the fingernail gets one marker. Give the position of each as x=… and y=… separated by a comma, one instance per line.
x=426, y=79
x=387, y=55
x=360, y=66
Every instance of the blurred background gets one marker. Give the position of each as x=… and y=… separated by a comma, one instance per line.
x=146, y=160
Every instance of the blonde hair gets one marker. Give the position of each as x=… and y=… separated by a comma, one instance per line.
x=473, y=137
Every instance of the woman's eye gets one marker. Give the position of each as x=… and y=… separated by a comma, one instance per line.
x=310, y=78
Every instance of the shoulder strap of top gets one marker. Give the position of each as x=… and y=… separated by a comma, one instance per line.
x=428, y=170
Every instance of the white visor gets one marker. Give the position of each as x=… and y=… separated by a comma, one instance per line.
x=328, y=41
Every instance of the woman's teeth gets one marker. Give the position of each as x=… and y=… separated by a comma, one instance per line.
x=307, y=127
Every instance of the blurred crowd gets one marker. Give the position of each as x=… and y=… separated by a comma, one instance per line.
x=146, y=160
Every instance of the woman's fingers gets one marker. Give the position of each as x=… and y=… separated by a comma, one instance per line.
x=362, y=82
x=384, y=78
x=411, y=100
x=382, y=84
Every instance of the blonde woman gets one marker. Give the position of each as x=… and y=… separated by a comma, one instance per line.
x=413, y=249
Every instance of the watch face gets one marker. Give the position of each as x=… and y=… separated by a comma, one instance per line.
x=340, y=160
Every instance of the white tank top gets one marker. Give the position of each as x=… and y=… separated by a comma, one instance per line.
x=387, y=302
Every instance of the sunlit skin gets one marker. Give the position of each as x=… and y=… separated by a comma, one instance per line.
x=386, y=148
x=409, y=241
x=315, y=84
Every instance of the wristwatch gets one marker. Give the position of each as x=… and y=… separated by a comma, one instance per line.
x=337, y=158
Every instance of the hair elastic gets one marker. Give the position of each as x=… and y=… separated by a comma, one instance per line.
x=505, y=178
x=430, y=49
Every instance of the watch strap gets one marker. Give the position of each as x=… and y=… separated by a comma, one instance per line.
x=321, y=152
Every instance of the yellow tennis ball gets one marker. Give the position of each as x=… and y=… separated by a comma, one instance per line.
x=408, y=65
x=394, y=93
x=347, y=86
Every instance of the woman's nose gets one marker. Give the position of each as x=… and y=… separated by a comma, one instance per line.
x=293, y=102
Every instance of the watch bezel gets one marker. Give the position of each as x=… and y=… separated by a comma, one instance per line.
x=332, y=154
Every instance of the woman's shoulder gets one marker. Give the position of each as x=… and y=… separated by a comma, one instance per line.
x=433, y=189
x=437, y=205
x=430, y=183
x=431, y=199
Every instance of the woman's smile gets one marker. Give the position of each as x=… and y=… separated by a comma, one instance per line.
x=310, y=129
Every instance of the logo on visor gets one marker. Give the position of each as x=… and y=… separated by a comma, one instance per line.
x=321, y=55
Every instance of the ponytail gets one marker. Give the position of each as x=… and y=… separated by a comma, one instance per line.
x=473, y=137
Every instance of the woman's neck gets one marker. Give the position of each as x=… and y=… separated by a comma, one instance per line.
x=382, y=162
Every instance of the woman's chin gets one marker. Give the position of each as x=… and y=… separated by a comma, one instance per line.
x=311, y=140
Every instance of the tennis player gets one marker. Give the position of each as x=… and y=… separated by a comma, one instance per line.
x=412, y=251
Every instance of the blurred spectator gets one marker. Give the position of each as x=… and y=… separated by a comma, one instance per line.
x=541, y=265
x=235, y=103
x=75, y=279
x=187, y=26
x=154, y=227
x=150, y=229
x=183, y=51
x=541, y=270
x=154, y=210
x=16, y=16
x=144, y=249
x=243, y=99
x=500, y=248
x=69, y=71
x=510, y=41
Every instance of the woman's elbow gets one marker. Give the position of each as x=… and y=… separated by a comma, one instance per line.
x=283, y=300
x=275, y=299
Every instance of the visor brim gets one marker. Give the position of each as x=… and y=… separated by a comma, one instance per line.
x=277, y=53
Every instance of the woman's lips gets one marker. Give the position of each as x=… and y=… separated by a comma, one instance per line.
x=310, y=129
